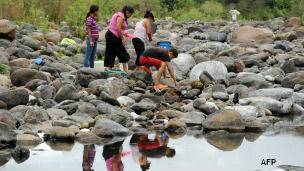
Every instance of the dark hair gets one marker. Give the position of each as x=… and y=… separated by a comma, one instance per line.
x=171, y=152
x=149, y=14
x=125, y=9
x=174, y=51
x=93, y=9
x=145, y=167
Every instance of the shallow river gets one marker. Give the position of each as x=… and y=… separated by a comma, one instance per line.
x=204, y=154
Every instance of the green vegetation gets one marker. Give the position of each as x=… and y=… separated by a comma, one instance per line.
x=41, y=12
x=4, y=69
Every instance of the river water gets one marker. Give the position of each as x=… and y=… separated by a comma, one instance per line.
x=213, y=153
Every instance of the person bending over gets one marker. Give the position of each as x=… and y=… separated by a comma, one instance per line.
x=161, y=59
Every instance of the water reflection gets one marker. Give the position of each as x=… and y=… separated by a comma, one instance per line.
x=89, y=153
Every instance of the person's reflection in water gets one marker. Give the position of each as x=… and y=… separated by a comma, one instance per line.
x=139, y=158
x=89, y=153
x=112, y=154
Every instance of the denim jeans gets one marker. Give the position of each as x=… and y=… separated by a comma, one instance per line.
x=90, y=54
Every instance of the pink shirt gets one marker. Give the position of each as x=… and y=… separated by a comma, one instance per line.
x=113, y=23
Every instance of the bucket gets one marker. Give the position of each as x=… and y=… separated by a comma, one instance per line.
x=99, y=65
x=164, y=44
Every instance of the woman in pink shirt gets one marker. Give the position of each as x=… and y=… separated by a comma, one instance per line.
x=115, y=37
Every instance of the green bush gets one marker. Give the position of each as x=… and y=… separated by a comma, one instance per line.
x=4, y=69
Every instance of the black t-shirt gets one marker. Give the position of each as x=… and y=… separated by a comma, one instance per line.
x=157, y=53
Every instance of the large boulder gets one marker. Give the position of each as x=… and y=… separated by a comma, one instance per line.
x=106, y=128
x=14, y=98
x=292, y=79
x=271, y=104
x=7, y=30
x=245, y=111
x=115, y=88
x=216, y=69
x=249, y=34
x=230, y=120
x=182, y=65
x=22, y=76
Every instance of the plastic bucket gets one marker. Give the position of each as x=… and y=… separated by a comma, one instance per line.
x=164, y=44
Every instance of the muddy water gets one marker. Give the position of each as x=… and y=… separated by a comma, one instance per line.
x=211, y=153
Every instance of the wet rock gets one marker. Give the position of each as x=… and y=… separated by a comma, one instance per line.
x=106, y=128
x=20, y=154
x=205, y=107
x=67, y=92
x=22, y=76
x=216, y=69
x=7, y=30
x=143, y=105
x=182, y=65
x=246, y=111
x=14, y=98
x=284, y=45
x=7, y=134
x=56, y=114
x=224, y=140
x=253, y=124
x=28, y=140
x=292, y=79
x=60, y=133
x=249, y=34
x=86, y=75
x=275, y=93
x=175, y=129
x=108, y=98
x=230, y=120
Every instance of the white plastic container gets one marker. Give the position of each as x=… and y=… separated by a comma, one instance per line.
x=99, y=65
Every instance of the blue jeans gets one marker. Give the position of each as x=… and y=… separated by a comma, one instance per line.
x=90, y=54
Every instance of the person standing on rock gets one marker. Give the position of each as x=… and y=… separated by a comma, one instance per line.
x=143, y=30
x=92, y=35
x=116, y=37
x=161, y=59
x=234, y=13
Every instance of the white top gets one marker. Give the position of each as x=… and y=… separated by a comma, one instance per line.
x=234, y=14
x=140, y=31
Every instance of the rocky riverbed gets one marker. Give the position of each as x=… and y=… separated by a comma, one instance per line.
x=233, y=79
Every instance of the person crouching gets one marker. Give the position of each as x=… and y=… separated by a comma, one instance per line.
x=161, y=59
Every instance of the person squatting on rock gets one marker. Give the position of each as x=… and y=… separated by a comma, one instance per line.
x=116, y=38
x=92, y=35
x=143, y=30
x=161, y=59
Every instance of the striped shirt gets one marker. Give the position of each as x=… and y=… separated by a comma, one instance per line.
x=91, y=22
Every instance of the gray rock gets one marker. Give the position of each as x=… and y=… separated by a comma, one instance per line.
x=292, y=79
x=245, y=111
x=30, y=42
x=88, y=108
x=190, y=94
x=36, y=115
x=216, y=69
x=284, y=45
x=7, y=134
x=108, y=98
x=58, y=133
x=171, y=114
x=298, y=98
x=125, y=101
x=254, y=124
x=271, y=104
x=6, y=117
x=275, y=72
x=106, y=128
x=275, y=93
x=86, y=75
x=5, y=81
x=144, y=105
x=56, y=114
x=46, y=91
x=4, y=43
x=218, y=37
x=67, y=92
x=33, y=84
x=182, y=65
x=22, y=76
x=97, y=83
x=194, y=118
x=115, y=88
x=28, y=140
x=225, y=120
x=252, y=80
x=219, y=92
x=14, y=98
x=289, y=67
x=4, y=57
